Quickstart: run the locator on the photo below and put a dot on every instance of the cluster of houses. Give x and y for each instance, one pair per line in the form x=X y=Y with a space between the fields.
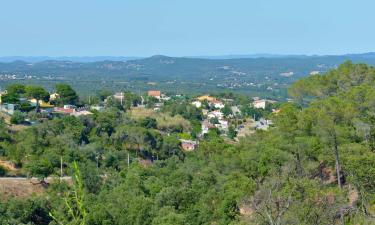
x=212 y=114
x=214 y=118
x=45 y=107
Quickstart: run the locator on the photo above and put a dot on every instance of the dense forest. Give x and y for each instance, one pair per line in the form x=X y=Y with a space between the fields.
x=316 y=165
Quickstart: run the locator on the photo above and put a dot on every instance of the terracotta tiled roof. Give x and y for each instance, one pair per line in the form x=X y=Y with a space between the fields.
x=154 y=93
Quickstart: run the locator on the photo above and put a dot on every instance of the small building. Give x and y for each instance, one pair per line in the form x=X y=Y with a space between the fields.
x=206 y=97
x=119 y=96
x=259 y=104
x=223 y=125
x=42 y=103
x=217 y=104
x=8 y=108
x=188 y=145
x=197 y=104
x=154 y=93
x=54 y=96
x=70 y=107
x=206 y=126
x=216 y=114
x=64 y=110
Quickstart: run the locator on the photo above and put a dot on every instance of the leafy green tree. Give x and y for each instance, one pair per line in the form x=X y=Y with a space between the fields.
x=232 y=133
x=148 y=122
x=16 y=89
x=67 y=94
x=41 y=168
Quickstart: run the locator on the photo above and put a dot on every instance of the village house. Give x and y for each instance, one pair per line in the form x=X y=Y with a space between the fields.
x=119 y=96
x=45 y=107
x=197 y=104
x=217 y=104
x=54 y=96
x=218 y=114
x=205 y=97
x=72 y=110
x=154 y=93
x=206 y=126
x=8 y=108
x=223 y=125
x=188 y=145
x=42 y=103
x=259 y=104
x=66 y=109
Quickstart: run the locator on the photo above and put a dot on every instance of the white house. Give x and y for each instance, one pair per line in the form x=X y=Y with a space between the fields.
x=223 y=125
x=259 y=104
x=236 y=110
x=217 y=104
x=197 y=104
x=216 y=114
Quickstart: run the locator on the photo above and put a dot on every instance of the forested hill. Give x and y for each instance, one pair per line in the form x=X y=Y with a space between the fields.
x=169 y=68
x=266 y=77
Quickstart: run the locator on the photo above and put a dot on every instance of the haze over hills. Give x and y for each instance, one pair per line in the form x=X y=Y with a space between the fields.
x=246 y=74
x=34 y=59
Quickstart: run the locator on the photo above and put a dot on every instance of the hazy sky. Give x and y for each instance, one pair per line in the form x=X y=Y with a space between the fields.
x=185 y=27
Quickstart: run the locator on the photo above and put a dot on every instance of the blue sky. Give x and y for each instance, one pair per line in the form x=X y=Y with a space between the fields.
x=185 y=27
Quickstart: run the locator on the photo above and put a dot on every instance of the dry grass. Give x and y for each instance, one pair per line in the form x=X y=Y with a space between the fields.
x=22 y=187
x=164 y=121
x=7 y=165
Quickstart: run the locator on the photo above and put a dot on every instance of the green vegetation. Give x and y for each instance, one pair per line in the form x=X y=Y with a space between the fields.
x=314 y=166
x=67 y=96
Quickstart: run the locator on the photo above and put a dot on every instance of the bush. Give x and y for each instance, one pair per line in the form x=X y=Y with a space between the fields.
x=17 y=117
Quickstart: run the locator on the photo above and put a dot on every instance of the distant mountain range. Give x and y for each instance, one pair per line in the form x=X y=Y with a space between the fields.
x=34 y=59
x=245 y=73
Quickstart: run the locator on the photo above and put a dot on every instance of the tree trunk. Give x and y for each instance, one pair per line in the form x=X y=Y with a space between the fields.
x=37 y=106
x=128 y=160
x=337 y=159
x=61 y=167
x=299 y=165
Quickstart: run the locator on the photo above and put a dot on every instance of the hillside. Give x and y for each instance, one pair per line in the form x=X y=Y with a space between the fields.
x=315 y=165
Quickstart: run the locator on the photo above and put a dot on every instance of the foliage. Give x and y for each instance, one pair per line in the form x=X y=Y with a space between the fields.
x=66 y=94
x=17 y=117
x=314 y=166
